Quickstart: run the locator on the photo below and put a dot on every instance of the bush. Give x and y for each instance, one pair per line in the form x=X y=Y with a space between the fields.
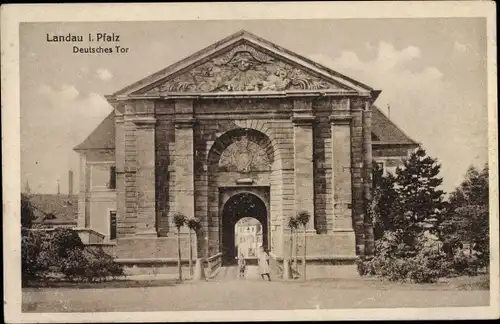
x=74 y=265
x=62 y=252
x=395 y=261
x=33 y=263
x=428 y=268
x=64 y=240
x=465 y=264
x=90 y=264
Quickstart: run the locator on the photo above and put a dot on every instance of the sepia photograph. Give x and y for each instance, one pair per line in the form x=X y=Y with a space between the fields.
x=289 y=163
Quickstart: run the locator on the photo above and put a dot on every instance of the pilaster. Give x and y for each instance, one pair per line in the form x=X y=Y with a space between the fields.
x=145 y=176
x=184 y=159
x=341 y=171
x=367 y=177
x=303 y=120
x=82 y=221
x=342 y=181
x=122 y=227
x=357 y=167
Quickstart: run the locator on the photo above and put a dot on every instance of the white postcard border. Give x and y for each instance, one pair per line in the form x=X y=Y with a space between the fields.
x=12 y=15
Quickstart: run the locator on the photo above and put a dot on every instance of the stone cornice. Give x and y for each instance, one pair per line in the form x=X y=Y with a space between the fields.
x=184 y=122
x=144 y=122
x=303 y=120
x=340 y=119
x=244 y=95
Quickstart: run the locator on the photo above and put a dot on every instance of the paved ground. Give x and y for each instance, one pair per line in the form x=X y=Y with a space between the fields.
x=252 y=293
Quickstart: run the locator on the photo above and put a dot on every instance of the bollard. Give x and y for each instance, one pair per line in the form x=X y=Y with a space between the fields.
x=199 y=270
x=287 y=269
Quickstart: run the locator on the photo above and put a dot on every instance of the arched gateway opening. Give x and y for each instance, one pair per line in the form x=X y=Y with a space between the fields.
x=239 y=206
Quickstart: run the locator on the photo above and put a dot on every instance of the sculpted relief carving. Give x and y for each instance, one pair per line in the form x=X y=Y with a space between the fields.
x=244 y=156
x=243 y=69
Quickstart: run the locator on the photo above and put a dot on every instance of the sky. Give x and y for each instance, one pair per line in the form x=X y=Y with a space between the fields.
x=432 y=73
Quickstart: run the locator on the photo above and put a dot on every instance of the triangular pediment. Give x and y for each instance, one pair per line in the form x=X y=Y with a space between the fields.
x=244 y=68
x=243 y=63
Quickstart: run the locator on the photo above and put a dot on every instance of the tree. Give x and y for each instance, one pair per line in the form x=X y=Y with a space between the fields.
x=467 y=216
x=303 y=218
x=474 y=190
x=293 y=224
x=193 y=225
x=409 y=209
x=419 y=203
x=179 y=221
x=27 y=211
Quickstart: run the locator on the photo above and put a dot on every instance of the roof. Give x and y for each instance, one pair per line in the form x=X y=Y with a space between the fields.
x=103 y=137
x=386 y=132
x=262 y=50
x=54 y=208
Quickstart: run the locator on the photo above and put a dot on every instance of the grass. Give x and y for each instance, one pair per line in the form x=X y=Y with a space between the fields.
x=480 y=282
x=123 y=283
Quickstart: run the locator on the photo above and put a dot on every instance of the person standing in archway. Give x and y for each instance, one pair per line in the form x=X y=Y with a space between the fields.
x=264 y=263
x=242 y=264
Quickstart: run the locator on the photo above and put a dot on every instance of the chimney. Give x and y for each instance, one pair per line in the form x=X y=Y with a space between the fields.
x=70 y=182
x=58 y=189
x=389 y=111
x=27 y=188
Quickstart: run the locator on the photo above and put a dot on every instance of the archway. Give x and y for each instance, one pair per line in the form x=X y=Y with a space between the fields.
x=240 y=206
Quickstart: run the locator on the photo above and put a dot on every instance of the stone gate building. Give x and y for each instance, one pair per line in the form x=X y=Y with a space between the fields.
x=241 y=128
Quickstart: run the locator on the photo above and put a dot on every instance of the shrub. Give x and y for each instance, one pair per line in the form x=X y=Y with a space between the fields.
x=396 y=261
x=428 y=268
x=33 y=264
x=74 y=265
x=361 y=265
x=90 y=264
x=102 y=265
x=465 y=264
x=62 y=252
x=64 y=240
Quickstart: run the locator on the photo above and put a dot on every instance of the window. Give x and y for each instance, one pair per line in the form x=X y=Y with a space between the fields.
x=378 y=171
x=112 y=178
x=112 y=225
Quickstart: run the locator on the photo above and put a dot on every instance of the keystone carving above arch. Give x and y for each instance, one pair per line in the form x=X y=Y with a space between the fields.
x=244 y=156
x=242 y=150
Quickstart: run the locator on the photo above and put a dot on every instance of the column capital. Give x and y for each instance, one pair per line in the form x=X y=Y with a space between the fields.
x=144 y=122
x=184 y=122
x=303 y=120
x=340 y=119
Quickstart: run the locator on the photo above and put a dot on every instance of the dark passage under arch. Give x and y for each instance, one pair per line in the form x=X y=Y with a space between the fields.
x=237 y=207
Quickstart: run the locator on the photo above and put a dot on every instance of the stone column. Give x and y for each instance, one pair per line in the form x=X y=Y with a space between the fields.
x=82 y=193
x=341 y=172
x=367 y=177
x=120 y=176
x=303 y=120
x=145 y=176
x=184 y=160
x=345 y=239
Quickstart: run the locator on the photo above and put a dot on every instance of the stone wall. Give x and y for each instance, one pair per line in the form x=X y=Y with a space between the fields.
x=187 y=178
x=150 y=248
x=100 y=204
